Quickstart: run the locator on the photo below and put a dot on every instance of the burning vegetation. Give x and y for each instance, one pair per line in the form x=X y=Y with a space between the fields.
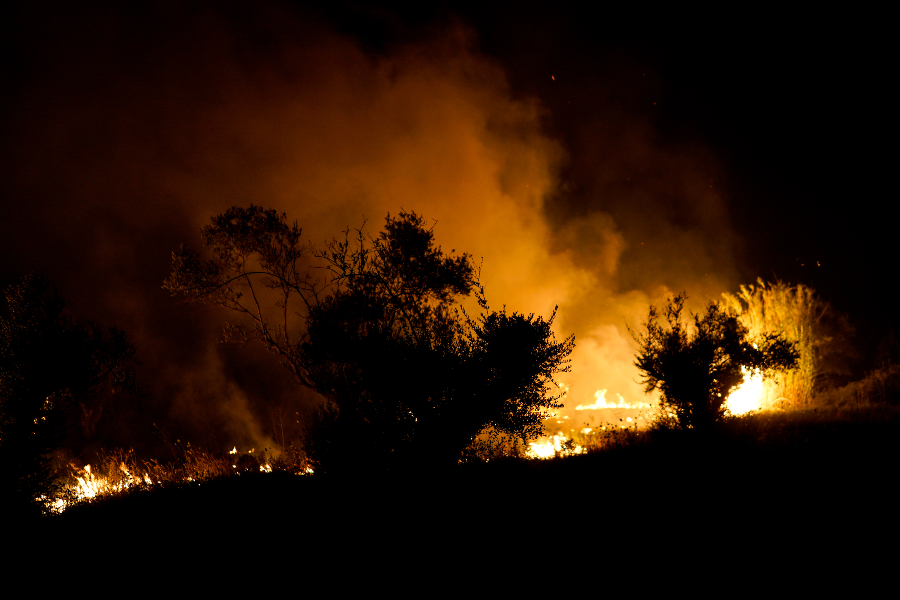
x=696 y=368
x=765 y=329
x=120 y=473
x=802 y=319
x=346 y=319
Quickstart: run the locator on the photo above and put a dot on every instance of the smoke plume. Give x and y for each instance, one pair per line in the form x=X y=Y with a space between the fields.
x=126 y=133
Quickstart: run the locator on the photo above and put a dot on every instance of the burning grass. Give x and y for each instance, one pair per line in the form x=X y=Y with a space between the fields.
x=849 y=435
x=776 y=461
x=119 y=473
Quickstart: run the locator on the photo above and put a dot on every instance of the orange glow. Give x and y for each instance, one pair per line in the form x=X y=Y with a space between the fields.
x=84 y=485
x=554 y=445
x=748 y=396
x=88 y=485
x=600 y=401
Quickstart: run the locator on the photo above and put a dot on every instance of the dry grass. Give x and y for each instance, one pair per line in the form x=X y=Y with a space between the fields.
x=796 y=313
x=845 y=431
x=493 y=445
x=119 y=472
x=879 y=388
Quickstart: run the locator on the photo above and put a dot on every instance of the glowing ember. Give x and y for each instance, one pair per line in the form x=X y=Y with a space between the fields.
x=748 y=396
x=601 y=402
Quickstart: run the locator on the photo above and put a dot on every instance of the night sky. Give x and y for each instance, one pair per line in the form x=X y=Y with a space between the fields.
x=601 y=161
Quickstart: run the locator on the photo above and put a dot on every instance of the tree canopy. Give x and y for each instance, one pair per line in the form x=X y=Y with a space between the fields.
x=371 y=324
x=696 y=369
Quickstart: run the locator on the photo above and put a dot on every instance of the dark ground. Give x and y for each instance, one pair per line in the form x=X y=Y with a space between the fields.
x=797 y=470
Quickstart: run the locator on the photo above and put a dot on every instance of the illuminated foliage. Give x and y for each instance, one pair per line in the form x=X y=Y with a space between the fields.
x=802 y=318
x=407 y=379
x=695 y=369
x=53 y=369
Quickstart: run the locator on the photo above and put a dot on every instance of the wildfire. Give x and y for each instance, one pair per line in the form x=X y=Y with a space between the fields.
x=600 y=401
x=88 y=485
x=120 y=472
x=555 y=445
x=748 y=396
x=561 y=444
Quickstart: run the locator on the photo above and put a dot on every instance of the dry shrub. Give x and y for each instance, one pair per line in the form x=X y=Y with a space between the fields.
x=606 y=437
x=290 y=460
x=493 y=444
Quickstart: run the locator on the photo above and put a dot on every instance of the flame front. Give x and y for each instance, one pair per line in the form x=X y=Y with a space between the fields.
x=88 y=485
x=601 y=402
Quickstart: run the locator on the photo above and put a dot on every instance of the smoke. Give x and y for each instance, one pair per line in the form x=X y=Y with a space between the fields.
x=125 y=137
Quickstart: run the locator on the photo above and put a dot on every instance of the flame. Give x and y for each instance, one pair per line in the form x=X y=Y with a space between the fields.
x=560 y=444
x=601 y=402
x=748 y=396
x=89 y=485
x=555 y=445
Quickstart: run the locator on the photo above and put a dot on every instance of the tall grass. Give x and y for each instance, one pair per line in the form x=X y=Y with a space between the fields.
x=797 y=313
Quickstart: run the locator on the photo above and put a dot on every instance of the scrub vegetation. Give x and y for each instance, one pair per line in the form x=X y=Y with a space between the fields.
x=475 y=388
x=372 y=324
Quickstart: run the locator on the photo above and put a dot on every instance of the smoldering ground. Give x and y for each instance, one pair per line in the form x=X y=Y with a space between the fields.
x=125 y=130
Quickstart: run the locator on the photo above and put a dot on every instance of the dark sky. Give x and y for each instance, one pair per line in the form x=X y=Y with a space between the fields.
x=793 y=107
x=596 y=160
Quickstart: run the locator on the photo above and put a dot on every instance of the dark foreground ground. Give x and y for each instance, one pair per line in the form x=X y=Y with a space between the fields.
x=767 y=496
x=767 y=469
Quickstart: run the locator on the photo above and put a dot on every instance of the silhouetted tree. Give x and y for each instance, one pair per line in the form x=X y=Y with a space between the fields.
x=406 y=377
x=53 y=370
x=695 y=370
x=260 y=269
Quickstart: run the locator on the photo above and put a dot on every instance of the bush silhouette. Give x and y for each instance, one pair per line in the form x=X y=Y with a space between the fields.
x=695 y=369
x=409 y=380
